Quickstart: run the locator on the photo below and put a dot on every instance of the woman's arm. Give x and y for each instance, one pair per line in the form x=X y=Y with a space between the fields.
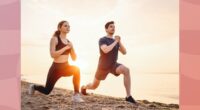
x=53 y=52
x=72 y=52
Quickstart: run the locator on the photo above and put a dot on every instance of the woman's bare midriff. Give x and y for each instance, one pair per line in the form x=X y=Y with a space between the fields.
x=61 y=59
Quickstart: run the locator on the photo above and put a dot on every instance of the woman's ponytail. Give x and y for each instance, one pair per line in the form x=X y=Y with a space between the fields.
x=57 y=33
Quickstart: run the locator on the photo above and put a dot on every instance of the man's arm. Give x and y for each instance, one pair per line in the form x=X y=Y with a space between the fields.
x=122 y=49
x=107 y=48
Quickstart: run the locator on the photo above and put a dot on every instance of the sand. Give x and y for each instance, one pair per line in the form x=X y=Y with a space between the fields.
x=60 y=99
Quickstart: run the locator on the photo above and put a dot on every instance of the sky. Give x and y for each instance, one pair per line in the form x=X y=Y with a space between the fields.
x=149 y=29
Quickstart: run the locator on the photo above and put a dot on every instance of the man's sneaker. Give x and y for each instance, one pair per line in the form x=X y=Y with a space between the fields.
x=31 y=89
x=77 y=98
x=131 y=100
x=83 y=91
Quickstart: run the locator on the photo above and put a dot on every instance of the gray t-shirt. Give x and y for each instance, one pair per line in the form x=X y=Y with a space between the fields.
x=107 y=60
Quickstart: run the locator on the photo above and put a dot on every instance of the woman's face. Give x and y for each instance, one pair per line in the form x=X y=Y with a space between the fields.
x=65 y=28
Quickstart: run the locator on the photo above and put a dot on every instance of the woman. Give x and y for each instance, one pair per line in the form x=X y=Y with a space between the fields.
x=60 y=49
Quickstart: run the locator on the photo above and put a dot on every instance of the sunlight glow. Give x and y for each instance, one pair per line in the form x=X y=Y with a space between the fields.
x=83 y=65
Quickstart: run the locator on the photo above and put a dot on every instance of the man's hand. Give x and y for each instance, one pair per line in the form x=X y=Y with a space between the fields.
x=117 y=38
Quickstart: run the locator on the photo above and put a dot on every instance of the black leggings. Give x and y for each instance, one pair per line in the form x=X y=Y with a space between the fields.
x=56 y=71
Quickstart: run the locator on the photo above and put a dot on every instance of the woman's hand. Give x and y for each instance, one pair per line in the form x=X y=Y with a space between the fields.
x=67 y=47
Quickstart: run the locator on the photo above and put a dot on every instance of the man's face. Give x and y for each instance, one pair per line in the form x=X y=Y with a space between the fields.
x=111 y=29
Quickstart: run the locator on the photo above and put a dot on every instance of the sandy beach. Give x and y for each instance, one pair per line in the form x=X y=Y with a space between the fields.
x=60 y=99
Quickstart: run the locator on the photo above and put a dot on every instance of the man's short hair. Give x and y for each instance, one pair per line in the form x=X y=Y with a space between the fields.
x=108 y=23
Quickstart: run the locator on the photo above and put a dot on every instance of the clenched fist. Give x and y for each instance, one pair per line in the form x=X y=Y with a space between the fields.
x=117 y=38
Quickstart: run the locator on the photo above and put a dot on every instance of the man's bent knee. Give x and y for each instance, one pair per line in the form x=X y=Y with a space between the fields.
x=126 y=71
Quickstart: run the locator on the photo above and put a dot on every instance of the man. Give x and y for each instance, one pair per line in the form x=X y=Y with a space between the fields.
x=109 y=48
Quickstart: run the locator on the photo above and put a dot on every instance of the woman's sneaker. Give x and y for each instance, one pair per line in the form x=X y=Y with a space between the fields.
x=31 y=89
x=77 y=98
x=131 y=100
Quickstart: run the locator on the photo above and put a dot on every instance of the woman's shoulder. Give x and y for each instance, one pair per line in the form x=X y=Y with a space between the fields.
x=54 y=39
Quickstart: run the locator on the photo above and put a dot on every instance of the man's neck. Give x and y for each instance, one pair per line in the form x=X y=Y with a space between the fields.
x=110 y=35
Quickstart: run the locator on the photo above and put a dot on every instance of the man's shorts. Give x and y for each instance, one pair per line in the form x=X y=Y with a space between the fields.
x=101 y=74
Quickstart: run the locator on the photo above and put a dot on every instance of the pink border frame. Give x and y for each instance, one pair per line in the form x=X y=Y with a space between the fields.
x=10 y=55
x=189 y=55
